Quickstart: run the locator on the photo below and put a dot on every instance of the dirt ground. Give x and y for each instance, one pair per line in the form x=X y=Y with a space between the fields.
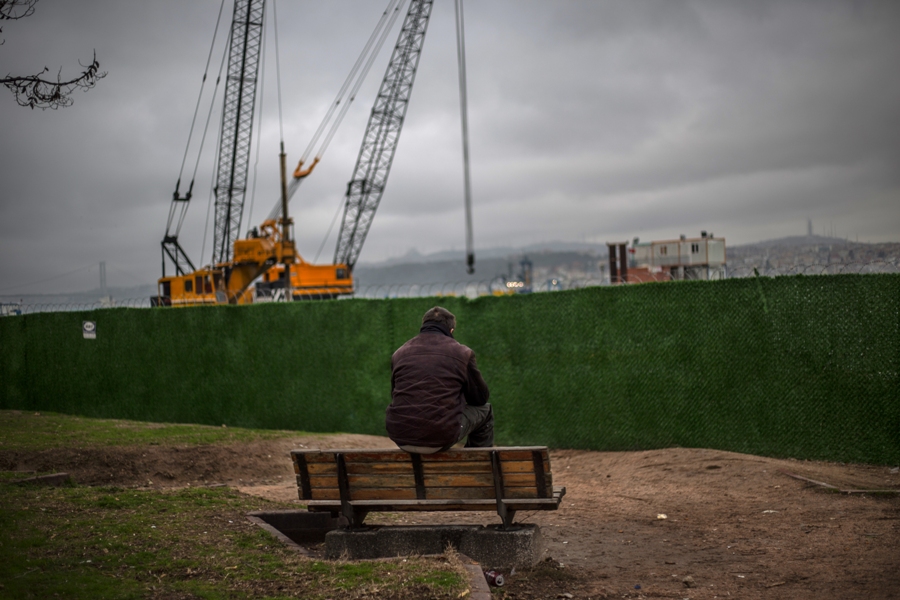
x=674 y=523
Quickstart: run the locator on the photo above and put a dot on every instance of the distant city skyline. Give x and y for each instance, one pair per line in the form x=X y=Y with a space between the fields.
x=799 y=251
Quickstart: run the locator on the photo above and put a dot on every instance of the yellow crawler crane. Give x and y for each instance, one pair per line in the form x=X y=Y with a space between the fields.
x=235 y=263
x=369 y=179
x=229 y=283
x=307 y=281
x=267 y=255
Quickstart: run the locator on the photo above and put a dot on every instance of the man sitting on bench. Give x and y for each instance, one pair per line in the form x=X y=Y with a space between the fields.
x=438 y=396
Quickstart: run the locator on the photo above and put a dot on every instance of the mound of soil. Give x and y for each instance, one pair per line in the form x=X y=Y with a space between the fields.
x=673 y=523
x=252 y=463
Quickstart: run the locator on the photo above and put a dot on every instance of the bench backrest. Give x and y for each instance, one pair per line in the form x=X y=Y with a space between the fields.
x=392 y=474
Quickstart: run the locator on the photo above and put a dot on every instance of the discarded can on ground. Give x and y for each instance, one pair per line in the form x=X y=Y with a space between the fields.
x=494 y=578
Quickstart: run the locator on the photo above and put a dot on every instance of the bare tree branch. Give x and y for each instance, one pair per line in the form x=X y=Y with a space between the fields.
x=9 y=11
x=33 y=91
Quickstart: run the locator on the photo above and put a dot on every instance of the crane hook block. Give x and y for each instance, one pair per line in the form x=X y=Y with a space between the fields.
x=300 y=172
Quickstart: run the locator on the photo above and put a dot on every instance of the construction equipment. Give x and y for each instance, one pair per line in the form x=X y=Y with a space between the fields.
x=235 y=263
x=373 y=165
x=228 y=282
x=269 y=251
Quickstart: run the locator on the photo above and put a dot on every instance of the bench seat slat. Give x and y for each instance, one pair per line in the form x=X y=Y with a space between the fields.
x=382 y=481
x=443 y=504
x=359 y=456
x=432 y=505
x=433 y=493
x=323 y=482
x=380 y=468
x=430 y=468
x=397 y=455
x=454 y=480
x=509 y=466
x=324 y=494
x=512 y=481
x=395 y=450
x=506 y=454
x=322 y=468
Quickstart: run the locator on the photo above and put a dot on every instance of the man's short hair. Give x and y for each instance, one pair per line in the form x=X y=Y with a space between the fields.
x=440 y=315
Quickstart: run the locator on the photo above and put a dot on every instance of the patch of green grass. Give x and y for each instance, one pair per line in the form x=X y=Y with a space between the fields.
x=129 y=543
x=438 y=579
x=416 y=577
x=80 y=542
x=39 y=431
x=353 y=575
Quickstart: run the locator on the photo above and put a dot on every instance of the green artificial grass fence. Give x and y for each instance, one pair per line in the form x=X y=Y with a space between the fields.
x=803 y=367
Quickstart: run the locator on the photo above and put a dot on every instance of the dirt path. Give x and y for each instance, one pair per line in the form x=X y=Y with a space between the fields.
x=679 y=523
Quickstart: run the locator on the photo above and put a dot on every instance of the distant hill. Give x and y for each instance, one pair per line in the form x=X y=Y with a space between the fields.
x=86 y=297
x=487 y=268
x=503 y=252
x=579 y=261
x=565 y=260
x=800 y=240
x=809 y=250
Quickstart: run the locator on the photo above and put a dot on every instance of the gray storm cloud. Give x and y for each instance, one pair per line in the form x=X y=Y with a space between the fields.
x=588 y=120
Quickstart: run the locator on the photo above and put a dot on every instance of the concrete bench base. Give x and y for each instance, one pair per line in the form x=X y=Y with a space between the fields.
x=492 y=547
x=295 y=526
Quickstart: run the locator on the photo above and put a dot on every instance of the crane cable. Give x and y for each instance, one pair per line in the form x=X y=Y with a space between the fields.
x=278 y=73
x=464 y=118
x=392 y=5
x=351 y=85
x=212 y=183
x=365 y=71
x=259 y=115
x=344 y=110
x=191 y=134
x=209 y=203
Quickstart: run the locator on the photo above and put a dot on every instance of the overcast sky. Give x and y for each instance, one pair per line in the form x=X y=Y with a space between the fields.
x=594 y=121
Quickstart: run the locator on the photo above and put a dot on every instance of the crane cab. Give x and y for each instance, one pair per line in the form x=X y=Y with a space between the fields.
x=193 y=289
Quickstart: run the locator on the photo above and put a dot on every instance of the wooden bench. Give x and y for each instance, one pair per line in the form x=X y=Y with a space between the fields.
x=354 y=483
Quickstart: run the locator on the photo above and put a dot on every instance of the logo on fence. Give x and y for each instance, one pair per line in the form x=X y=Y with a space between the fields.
x=89 y=330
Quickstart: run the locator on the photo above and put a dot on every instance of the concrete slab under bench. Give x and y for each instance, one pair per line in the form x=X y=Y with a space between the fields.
x=492 y=546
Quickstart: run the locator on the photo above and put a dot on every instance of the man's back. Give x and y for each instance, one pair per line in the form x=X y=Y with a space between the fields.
x=429 y=380
x=438 y=396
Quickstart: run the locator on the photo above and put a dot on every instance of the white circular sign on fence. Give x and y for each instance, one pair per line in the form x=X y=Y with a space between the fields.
x=89 y=330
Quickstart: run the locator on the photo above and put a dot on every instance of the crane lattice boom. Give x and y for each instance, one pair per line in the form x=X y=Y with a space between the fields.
x=237 y=125
x=376 y=154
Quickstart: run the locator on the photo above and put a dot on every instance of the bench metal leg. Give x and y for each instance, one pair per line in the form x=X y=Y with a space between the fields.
x=354 y=516
x=506 y=515
x=356 y=522
x=510 y=517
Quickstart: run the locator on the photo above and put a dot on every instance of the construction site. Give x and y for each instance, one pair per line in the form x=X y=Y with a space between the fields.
x=677 y=415
x=264 y=266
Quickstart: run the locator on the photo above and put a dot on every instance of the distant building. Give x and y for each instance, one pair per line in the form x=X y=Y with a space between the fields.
x=684 y=258
x=8 y=309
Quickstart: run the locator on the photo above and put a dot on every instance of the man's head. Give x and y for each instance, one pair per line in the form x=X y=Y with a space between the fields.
x=440 y=315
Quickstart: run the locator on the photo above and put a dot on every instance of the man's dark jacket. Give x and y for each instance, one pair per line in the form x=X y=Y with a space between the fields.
x=433 y=377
